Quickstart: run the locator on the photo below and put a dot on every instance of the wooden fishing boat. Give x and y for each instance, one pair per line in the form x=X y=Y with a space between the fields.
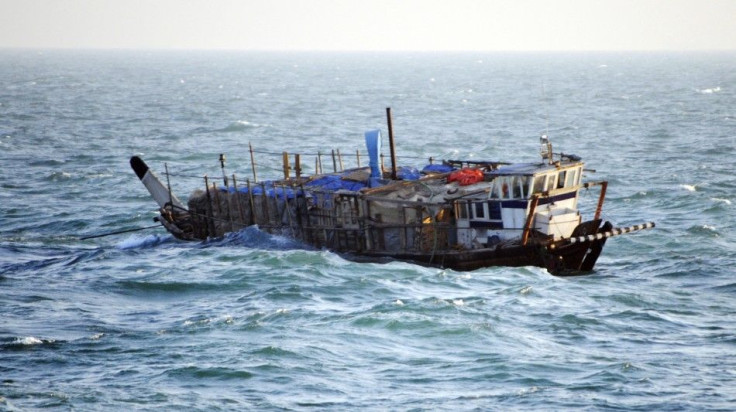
x=462 y=215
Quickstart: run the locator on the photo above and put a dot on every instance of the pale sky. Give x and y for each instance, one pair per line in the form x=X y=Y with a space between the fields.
x=495 y=25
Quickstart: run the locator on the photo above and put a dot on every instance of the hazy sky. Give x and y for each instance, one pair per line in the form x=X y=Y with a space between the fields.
x=371 y=24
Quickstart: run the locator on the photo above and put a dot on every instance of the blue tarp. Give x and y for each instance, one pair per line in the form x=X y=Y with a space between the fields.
x=334 y=183
x=408 y=173
x=437 y=168
x=271 y=191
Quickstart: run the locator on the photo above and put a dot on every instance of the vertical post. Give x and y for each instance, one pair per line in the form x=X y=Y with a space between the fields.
x=298 y=165
x=241 y=221
x=210 y=213
x=253 y=220
x=222 y=166
x=318 y=163
x=357 y=156
x=334 y=162
x=264 y=196
x=601 y=198
x=339 y=159
x=391 y=143
x=285 y=157
x=252 y=163
x=529 y=219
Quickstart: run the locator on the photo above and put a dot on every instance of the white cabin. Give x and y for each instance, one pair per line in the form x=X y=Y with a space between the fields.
x=500 y=212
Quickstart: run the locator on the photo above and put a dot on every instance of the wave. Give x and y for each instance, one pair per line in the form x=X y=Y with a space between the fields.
x=137 y=242
x=238 y=126
x=26 y=342
x=253 y=237
x=719 y=200
x=709 y=90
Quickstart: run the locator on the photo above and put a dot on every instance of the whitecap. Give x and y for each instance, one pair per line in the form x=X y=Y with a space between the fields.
x=29 y=341
x=399 y=302
x=689 y=188
x=719 y=200
x=710 y=90
x=458 y=302
x=238 y=126
x=134 y=242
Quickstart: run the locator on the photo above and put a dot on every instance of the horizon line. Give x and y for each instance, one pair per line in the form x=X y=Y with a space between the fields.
x=289 y=50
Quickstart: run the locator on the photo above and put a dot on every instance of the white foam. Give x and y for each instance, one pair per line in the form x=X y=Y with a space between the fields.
x=28 y=340
x=710 y=90
x=719 y=200
x=689 y=188
x=134 y=241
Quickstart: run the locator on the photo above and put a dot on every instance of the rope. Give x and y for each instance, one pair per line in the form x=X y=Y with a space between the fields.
x=117 y=232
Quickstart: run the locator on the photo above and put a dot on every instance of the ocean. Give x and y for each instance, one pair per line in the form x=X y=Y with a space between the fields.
x=253 y=321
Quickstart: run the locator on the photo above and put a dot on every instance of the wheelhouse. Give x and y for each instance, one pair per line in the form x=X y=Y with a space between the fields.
x=500 y=213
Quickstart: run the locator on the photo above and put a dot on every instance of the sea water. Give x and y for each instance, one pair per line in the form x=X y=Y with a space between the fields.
x=259 y=322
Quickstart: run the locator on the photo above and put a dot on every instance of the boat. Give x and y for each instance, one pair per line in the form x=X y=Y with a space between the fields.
x=456 y=214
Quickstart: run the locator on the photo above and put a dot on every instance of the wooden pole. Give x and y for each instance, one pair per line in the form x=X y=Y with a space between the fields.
x=252 y=163
x=339 y=159
x=210 y=212
x=529 y=219
x=601 y=198
x=241 y=215
x=357 y=156
x=334 y=163
x=287 y=172
x=222 y=166
x=250 y=201
x=298 y=165
x=391 y=143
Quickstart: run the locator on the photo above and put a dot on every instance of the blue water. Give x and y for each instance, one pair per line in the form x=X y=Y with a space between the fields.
x=253 y=321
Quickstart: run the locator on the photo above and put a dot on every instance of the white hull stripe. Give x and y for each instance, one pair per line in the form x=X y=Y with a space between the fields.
x=611 y=233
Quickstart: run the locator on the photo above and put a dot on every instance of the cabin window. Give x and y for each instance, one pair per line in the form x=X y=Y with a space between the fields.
x=550 y=182
x=561 y=179
x=494 y=210
x=539 y=184
x=524 y=183
x=504 y=186
x=462 y=210
x=516 y=185
x=570 y=178
x=493 y=192
x=480 y=211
